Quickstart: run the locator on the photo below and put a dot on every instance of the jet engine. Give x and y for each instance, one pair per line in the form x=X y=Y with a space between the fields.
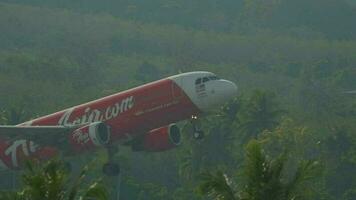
x=88 y=137
x=160 y=139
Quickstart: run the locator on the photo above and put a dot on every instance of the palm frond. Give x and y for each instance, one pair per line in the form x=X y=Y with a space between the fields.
x=95 y=191
x=52 y=181
x=216 y=185
x=306 y=171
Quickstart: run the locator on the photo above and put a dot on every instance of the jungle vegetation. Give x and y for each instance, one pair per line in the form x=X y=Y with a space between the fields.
x=52 y=180
x=290 y=133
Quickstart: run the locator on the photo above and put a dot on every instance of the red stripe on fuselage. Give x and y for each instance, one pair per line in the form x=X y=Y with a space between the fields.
x=131 y=112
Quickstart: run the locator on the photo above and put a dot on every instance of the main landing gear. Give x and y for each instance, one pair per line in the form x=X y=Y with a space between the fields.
x=111 y=168
x=198 y=133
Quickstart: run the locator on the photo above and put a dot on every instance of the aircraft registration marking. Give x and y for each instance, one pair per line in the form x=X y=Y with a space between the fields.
x=159 y=107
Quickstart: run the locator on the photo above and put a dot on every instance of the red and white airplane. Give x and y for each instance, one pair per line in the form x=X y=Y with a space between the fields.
x=142 y=117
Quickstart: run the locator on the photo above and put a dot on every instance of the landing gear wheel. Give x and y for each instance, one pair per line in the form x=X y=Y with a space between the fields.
x=111 y=169
x=68 y=167
x=198 y=135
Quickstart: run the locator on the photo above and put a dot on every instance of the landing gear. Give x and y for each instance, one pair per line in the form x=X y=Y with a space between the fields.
x=198 y=133
x=68 y=166
x=111 y=168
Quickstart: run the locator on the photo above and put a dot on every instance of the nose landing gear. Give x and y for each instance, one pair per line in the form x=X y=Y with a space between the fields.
x=111 y=168
x=198 y=133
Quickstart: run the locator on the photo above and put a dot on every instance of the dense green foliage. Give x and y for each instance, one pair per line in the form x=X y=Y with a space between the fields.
x=292 y=60
x=262 y=179
x=52 y=182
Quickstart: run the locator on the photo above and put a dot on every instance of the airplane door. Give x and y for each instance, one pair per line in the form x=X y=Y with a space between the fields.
x=177 y=92
x=201 y=88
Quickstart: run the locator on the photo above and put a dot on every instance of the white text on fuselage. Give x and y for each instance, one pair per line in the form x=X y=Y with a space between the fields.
x=26 y=148
x=94 y=115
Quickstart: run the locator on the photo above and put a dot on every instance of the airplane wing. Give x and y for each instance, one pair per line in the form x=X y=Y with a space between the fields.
x=39 y=134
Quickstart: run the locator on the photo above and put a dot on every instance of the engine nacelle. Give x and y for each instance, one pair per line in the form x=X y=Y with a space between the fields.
x=160 y=139
x=96 y=134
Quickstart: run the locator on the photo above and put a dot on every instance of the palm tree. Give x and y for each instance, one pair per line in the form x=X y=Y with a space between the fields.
x=262 y=179
x=217 y=185
x=52 y=182
x=260 y=113
x=13 y=115
x=3 y=118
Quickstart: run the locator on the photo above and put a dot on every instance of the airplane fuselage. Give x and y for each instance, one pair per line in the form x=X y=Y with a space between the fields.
x=129 y=114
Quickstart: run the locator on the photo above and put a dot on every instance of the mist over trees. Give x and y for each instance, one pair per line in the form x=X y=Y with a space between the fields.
x=293 y=61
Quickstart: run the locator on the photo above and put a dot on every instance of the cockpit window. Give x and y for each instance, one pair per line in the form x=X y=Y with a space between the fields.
x=205 y=79
x=198 y=81
x=213 y=78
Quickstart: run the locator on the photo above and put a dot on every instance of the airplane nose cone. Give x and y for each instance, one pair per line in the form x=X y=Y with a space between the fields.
x=230 y=89
x=233 y=89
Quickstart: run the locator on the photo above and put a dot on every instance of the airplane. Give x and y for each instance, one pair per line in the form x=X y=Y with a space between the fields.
x=143 y=118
